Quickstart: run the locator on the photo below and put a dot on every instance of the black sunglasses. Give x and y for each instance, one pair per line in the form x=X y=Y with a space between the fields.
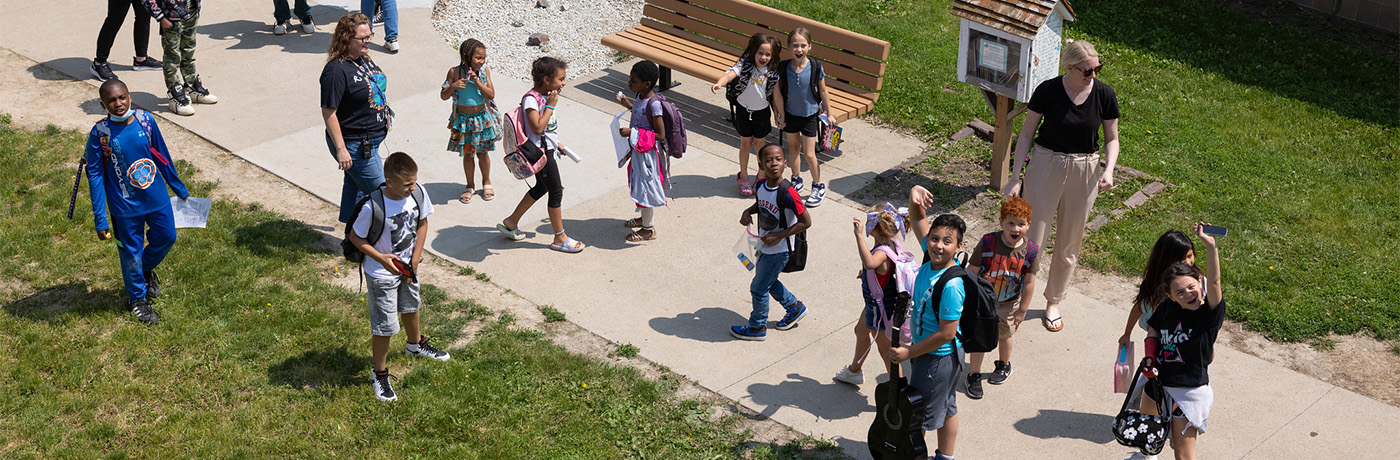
x=1091 y=72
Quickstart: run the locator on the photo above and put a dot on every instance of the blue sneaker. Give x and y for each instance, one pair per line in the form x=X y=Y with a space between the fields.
x=746 y=332
x=796 y=183
x=794 y=314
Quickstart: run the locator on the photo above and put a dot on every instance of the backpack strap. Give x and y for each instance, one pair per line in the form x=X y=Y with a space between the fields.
x=376 y=223
x=936 y=291
x=816 y=67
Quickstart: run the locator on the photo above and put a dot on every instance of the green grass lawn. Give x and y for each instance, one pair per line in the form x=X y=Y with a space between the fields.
x=257 y=355
x=1289 y=138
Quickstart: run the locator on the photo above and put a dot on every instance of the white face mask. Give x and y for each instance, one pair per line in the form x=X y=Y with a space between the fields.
x=123 y=118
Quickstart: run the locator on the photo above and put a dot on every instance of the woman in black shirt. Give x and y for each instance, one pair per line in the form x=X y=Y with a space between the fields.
x=355 y=109
x=1181 y=343
x=1064 y=174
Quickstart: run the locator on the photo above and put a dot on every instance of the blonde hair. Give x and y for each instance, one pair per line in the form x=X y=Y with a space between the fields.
x=886 y=228
x=344 y=33
x=1076 y=52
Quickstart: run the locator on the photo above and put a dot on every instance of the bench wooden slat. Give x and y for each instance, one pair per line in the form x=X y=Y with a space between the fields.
x=825 y=33
x=820 y=50
x=658 y=16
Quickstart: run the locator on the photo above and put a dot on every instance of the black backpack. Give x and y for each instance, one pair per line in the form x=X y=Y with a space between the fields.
x=977 y=329
x=815 y=67
x=376 y=223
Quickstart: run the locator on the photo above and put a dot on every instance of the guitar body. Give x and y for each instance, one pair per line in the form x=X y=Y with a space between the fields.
x=897 y=432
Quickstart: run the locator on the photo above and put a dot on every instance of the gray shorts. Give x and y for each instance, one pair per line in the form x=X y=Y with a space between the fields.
x=936 y=377
x=387 y=298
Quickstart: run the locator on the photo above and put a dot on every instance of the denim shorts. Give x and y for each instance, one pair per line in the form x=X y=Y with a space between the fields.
x=388 y=297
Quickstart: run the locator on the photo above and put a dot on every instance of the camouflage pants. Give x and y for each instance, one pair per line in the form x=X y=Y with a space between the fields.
x=178 y=45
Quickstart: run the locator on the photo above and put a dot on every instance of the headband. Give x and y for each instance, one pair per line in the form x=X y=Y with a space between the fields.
x=901 y=214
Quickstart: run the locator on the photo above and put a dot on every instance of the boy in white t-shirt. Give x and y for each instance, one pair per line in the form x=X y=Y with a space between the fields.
x=391 y=264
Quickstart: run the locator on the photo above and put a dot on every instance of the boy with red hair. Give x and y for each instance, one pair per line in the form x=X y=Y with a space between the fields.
x=1009 y=261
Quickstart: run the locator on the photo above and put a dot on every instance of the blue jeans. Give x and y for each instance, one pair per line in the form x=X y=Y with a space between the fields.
x=765 y=283
x=364 y=176
x=142 y=243
x=281 y=13
x=391 y=16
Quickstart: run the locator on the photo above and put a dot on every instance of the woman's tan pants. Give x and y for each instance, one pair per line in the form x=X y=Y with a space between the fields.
x=1060 y=187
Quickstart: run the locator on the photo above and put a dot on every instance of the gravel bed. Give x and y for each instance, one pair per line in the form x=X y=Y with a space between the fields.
x=575 y=34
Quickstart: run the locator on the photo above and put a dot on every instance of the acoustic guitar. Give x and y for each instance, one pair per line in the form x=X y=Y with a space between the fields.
x=897 y=433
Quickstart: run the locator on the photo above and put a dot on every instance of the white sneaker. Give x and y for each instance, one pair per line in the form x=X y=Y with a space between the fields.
x=392 y=44
x=1140 y=456
x=818 y=193
x=280 y=28
x=199 y=94
x=424 y=350
x=308 y=26
x=180 y=102
x=383 y=390
x=853 y=378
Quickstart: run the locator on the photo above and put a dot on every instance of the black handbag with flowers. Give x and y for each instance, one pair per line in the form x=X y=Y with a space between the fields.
x=1133 y=428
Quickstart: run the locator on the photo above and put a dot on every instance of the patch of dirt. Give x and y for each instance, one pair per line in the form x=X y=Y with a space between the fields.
x=36 y=95
x=960 y=180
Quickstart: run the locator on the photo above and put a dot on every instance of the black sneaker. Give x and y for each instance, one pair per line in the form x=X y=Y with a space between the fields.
x=152 y=285
x=793 y=315
x=146 y=64
x=1000 y=375
x=102 y=71
x=427 y=351
x=383 y=390
x=974 y=386
x=142 y=309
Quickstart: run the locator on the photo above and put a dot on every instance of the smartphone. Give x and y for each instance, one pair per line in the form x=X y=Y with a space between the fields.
x=1214 y=230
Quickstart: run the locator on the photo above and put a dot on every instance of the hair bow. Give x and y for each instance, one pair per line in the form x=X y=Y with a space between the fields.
x=901 y=215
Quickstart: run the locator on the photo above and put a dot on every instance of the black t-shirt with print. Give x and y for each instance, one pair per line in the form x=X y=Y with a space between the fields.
x=1070 y=128
x=1188 y=342
x=356 y=90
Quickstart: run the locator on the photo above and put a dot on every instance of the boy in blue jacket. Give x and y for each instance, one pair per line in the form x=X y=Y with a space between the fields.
x=128 y=168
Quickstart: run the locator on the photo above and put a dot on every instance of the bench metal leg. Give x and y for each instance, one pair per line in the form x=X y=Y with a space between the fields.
x=666 y=82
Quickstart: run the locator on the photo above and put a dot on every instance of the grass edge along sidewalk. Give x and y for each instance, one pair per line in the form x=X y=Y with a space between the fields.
x=259 y=353
x=1286 y=136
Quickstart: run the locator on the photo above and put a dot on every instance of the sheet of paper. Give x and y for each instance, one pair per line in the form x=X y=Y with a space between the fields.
x=620 y=143
x=191 y=213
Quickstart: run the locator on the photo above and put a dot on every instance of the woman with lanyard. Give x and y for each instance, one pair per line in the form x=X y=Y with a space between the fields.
x=1064 y=177
x=355 y=109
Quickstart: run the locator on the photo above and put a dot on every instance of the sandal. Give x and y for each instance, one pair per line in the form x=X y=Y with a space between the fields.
x=635 y=222
x=1049 y=324
x=488 y=193
x=745 y=187
x=570 y=245
x=512 y=233
x=467 y=196
x=643 y=234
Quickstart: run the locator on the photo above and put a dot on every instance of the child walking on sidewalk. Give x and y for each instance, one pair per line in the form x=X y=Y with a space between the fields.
x=803 y=98
x=1009 y=261
x=647 y=171
x=756 y=74
x=178 y=20
x=780 y=217
x=475 y=125
x=550 y=75
x=391 y=264
x=878 y=284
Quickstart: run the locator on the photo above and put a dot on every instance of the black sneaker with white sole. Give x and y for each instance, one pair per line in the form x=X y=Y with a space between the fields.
x=425 y=350
x=974 y=386
x=383 y=390
x=143 y=311
x=152 y=285
x=102 y=71
x=148 y=63
x=1002 y=372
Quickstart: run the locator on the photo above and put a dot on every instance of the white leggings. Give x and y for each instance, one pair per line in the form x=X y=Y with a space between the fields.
x=648 y=217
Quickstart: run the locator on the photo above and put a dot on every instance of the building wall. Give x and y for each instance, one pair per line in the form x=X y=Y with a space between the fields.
x=1382 y=14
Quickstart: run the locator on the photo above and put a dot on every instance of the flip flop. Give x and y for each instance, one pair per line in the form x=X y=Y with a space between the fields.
x=1049 y=324
x=745 y=187
x=513 y=234
x=467 y=196
x=570 y=245
x=488 y=193
x=635 y=222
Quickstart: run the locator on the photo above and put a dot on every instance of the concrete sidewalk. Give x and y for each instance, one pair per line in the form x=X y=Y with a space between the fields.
x=675 y=297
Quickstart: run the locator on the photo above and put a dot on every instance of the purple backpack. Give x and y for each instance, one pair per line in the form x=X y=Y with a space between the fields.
x=675 y=126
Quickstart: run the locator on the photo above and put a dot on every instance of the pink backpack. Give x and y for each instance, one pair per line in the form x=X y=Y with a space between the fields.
x=522 y=157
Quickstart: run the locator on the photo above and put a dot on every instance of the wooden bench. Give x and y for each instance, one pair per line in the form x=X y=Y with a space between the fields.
x=703 y=38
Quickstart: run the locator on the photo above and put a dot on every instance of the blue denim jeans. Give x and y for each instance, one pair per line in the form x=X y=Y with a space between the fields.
x=765 y=283
x=363 y=177
x=281 y=13
x=391 y=15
